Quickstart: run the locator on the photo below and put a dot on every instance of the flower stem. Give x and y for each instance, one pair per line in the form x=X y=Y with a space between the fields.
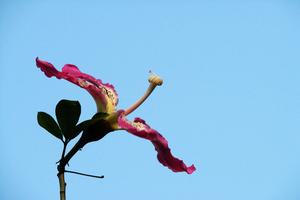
x=62 y=164
x=65 y=159
x=61 y=175
x=62 y=185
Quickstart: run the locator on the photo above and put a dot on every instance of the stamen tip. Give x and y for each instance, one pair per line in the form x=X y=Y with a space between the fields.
x=155 y=79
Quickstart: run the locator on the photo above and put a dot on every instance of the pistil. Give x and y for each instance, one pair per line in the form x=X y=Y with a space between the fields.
x=154 y=81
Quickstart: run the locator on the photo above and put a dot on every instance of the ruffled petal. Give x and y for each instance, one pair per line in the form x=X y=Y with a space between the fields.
x=104 y=94
x=139 y=128
x=47 y=68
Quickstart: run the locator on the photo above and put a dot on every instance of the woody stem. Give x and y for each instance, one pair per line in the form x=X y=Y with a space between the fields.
x=62 y=185
x=62 y=164
x=61 y=176
x=141 y=100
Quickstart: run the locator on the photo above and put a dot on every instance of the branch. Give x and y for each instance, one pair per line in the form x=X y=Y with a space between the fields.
x=79 y=173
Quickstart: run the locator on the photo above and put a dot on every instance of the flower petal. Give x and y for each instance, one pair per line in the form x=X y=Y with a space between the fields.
x=139 y=128
x=47 y=68
x=104 y=94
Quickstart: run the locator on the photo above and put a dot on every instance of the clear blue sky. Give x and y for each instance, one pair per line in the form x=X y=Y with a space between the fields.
x=230 y=103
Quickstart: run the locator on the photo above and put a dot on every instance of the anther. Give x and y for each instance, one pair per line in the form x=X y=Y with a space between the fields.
x=155 y=79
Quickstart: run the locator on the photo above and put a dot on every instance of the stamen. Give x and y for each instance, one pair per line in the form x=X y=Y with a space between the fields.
x=154 y=81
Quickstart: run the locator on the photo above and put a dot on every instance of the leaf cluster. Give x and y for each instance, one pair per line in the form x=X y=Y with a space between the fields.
x=67 y=114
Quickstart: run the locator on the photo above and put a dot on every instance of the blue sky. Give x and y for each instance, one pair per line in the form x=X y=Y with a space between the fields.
x=229 y=103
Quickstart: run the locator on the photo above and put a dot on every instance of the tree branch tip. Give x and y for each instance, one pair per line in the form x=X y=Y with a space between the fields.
x=83 y=174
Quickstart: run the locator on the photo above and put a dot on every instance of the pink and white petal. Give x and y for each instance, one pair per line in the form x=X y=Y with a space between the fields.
x=104 y=94
x=47 y=68
x=139 y=128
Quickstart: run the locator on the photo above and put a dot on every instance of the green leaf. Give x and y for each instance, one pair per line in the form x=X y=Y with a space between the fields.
x=47 y=122
x=67 y=114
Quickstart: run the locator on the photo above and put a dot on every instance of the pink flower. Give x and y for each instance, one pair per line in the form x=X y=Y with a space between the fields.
x=106 y=99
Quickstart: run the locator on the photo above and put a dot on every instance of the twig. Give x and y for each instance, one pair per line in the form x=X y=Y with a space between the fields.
x=79 y=173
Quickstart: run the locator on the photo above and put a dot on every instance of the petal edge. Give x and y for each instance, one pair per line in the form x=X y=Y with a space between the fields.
x=105 y=95
x=139 y=128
